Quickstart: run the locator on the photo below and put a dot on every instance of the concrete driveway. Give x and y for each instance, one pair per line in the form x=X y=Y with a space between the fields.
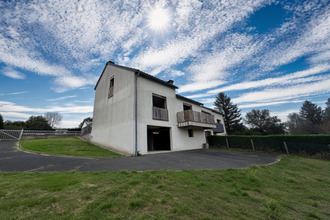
x=12 y=159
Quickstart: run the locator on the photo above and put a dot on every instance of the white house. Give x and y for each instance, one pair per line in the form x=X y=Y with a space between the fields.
x=136 y=113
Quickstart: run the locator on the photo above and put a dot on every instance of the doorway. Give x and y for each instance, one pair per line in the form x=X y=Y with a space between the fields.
x=158 y=138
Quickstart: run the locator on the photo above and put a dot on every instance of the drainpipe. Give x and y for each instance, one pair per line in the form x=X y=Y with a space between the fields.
x=136 y=114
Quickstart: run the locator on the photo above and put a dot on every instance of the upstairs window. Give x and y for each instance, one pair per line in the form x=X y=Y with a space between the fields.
x=112 y=81
x=158 y=101
x=159 y=109
x=186 y=107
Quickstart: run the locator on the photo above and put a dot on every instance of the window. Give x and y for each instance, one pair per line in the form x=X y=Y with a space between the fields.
x=112 y=81
x=190 y=133
x=158 y=101
x=186 y=107
x=159 y=109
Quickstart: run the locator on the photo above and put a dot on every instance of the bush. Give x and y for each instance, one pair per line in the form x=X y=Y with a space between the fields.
x=297 y=144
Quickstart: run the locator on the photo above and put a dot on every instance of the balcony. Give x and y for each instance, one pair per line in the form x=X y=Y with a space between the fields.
x=159 y=114
x=191 y=118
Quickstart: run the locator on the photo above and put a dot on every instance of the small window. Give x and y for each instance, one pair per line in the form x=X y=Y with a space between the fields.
x=186 y=107
x=190 y=132
x=158 y=101
x=112 y=81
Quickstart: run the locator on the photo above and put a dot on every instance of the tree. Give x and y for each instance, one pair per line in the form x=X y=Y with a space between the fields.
x=53 y=118
x=312 y=116
x=295 y=124
x=262 y=122
x=1 y=122
x=14 y=125
x=37 y=122
x=325 y=125
x=85 y=120
x=231 y=114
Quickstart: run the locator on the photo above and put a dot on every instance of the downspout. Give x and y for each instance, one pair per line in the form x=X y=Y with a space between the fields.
x=136 y=115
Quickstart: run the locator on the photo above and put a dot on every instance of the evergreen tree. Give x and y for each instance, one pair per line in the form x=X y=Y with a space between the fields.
x=262 y=122
x=231 y=114
x=312 y=116
x=325 y=125
x=295 y=124
x=1 y=122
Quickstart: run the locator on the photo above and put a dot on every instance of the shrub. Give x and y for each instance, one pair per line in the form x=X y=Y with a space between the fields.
x=297 y=144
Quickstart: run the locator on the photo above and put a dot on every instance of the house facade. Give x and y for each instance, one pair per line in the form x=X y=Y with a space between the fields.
x=136 y=113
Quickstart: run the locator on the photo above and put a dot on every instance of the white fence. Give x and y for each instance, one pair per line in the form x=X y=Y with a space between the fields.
x=50 y=132
x=11 y=134
x=17 y=134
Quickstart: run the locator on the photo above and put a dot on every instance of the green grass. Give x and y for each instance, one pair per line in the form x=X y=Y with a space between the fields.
x=294 y=188
x=67 y=146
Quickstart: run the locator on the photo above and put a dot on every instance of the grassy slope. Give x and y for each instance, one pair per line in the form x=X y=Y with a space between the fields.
x=295 y=188
x=67 y=146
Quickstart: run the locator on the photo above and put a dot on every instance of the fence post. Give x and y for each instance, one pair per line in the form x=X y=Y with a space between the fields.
x=286 y=147
x=20 y=135
x=227 y=143
x=253 y=145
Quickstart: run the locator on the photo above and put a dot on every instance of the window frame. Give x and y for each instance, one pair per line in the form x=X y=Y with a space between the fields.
x=111 y=87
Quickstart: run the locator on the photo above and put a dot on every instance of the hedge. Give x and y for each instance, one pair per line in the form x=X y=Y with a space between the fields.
x=310 y=144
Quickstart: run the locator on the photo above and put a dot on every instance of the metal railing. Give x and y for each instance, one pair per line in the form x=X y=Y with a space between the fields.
x=11 y=134
x=50 y=132
x=159 y=114
x=190 y=115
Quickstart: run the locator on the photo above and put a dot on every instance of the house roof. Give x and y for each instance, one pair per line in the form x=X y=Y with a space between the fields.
x=140 y=73
x=188 y=100
x=197 y=103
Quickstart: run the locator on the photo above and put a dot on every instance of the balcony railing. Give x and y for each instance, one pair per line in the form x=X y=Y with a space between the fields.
x=159 y=114
x=193 y=118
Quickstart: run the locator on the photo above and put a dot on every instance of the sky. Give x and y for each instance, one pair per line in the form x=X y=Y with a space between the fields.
x=263 y=54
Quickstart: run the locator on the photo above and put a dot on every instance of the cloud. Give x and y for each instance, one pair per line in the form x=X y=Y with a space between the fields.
x=292 y=78
x=283 y=115
x=69 y=123
x=16 y=115
x=197 y=86
x=203 y=24
x=256 y=105
x=14 y=93
x=285 y=93
x=12 y=73
x=66 y=83
x=62 y=98
x=12 y=107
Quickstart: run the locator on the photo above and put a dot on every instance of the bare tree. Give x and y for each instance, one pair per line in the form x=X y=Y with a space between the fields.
x=53 y=118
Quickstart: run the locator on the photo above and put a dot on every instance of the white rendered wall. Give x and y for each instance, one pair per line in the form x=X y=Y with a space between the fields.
x=179 y=138
x=113 y=119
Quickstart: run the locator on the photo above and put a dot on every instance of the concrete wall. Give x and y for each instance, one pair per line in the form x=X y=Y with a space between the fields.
x=179 y=136
x=113 y=118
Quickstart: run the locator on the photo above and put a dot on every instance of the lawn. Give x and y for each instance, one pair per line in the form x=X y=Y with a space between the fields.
x=294 y=188
x=67 y=146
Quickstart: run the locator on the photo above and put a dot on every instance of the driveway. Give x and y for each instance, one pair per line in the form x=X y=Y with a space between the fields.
x=12 y=159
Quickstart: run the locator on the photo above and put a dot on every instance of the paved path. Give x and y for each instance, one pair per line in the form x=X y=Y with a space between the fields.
x=12 y=159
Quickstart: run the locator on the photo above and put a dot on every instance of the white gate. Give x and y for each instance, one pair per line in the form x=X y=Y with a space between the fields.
x=11 y=135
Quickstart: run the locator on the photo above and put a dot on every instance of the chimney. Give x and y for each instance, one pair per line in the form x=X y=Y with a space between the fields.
x=170 y=82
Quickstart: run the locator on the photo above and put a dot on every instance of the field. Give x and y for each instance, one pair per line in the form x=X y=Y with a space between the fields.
x=67 y=146
x=294 y=188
